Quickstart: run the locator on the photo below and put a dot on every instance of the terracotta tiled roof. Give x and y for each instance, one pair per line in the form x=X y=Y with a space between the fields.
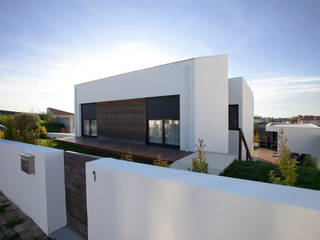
x=310 y=117
x=59 y=112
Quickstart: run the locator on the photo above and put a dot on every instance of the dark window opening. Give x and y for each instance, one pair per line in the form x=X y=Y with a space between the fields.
x=89 y=119
x=163 y=120
x=234 y=117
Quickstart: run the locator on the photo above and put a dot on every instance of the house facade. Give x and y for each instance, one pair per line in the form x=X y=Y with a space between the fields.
x=171 y=105
x=66 y=118
x=309 y=119
x=301 y=138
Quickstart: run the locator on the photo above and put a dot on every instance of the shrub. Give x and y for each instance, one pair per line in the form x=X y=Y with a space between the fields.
x=309 y=161
x=161 y=162
x=199 y=164
x=51 y=126
x=286 y=165
x=259 y=171
x=250 y=170
x=1 y=134
x=127 y=156
x=22 y=127
x=41 y=132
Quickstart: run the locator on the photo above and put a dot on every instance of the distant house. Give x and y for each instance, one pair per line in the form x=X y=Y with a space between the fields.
x=66 y=118
x=301 y=138
x=309 y=119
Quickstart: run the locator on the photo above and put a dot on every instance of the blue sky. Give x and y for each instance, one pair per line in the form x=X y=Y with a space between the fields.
x=48 y=46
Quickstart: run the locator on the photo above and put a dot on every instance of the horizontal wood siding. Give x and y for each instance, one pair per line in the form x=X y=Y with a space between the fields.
x=125 y=119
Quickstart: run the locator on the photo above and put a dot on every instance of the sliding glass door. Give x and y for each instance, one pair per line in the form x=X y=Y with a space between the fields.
x=90 y=128
x=165 y=132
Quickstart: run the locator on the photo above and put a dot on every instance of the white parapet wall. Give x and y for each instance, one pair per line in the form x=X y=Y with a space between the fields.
x=40 y=195
x=127 y=200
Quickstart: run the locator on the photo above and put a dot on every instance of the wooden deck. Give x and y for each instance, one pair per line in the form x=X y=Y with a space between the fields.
x=140 y=151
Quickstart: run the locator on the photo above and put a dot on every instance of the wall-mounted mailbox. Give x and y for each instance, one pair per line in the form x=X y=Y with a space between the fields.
x=27 y=163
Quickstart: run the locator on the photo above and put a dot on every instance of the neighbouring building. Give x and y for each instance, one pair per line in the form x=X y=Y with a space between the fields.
x=66 y=118
x=171 y=105
x=301 y=138
x=6 y=112
x=309 y=119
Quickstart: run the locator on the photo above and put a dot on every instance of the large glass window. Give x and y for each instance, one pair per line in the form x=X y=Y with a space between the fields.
x=155 y=131
x=164 y=132
x=90 y=128
x=172 y=132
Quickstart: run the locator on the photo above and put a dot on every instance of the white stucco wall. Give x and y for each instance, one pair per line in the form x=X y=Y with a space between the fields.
x=41 y=195
x=241 y=94
x=138 y=201
x=199 y=82
x=300 y=138
x=211 y=102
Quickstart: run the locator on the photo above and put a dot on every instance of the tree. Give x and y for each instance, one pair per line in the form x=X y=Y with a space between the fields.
x=286 y=165
x=199 y=164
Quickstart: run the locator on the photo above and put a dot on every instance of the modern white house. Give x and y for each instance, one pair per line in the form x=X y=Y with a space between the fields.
x=171 y=105
x=301 y=138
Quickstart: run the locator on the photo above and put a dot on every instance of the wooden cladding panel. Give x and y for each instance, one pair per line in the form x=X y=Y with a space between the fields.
x=125 y=119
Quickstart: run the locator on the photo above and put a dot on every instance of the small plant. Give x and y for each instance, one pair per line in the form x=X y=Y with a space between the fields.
x=161 y=162
x=309 y=161
x=127 y=156
x=199 y=164
x=286 y=165
x=41 y=132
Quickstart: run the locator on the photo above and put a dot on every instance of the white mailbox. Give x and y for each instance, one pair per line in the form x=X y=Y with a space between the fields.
x=27 y=163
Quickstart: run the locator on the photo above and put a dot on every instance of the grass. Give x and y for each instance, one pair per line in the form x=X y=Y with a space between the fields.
x=259 y=171
x=74 y=148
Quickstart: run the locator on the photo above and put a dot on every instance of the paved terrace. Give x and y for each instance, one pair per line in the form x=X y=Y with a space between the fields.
x=140 y=151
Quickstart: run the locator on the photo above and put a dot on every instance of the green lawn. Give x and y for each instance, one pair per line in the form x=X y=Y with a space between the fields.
x=259 y=171
x=74 y=148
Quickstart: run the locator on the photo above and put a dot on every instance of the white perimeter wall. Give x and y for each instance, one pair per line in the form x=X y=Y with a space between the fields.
x=201 y=83
x=241 y=94
x=41 y=195
x=300 y=139
x=143 y=202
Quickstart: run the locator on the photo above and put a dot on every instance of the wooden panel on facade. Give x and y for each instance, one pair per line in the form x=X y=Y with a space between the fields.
x=125 y=119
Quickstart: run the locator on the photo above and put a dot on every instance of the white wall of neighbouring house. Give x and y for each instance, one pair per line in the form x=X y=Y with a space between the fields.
x=241 y=94
x=40 y=195
x=199 y=82
x=142 y=202
x=301 y=138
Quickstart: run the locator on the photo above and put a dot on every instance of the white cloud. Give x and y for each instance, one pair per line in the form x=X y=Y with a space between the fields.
x=48 y=79
x=284 y=95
